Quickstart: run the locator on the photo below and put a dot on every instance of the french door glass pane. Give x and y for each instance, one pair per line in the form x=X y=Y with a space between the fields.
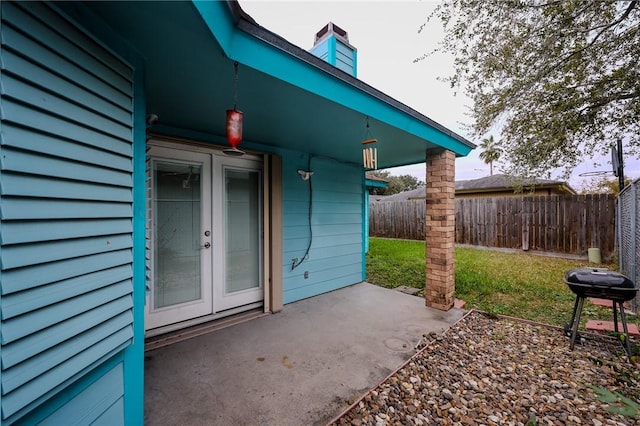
x=242 y=190
x=177 y=233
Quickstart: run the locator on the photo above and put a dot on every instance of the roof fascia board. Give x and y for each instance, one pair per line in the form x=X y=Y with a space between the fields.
x=376 y=183
x=284 y=66
x=219 y=16
x=244 y=47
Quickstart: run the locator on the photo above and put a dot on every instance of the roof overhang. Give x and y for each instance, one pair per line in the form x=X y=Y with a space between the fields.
x=374 y=183
x=290 y=99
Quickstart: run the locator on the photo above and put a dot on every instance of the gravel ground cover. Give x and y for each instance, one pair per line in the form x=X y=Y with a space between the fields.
x=501 y=371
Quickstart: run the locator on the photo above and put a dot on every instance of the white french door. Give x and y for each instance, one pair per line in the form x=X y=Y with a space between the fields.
x=181 y=236
x=206 y=235
x=240 y=233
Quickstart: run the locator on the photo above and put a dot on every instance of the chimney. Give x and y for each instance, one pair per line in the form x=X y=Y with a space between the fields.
x=332 y=45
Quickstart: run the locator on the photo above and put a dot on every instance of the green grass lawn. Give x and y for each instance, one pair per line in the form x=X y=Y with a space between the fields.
x=515 y=284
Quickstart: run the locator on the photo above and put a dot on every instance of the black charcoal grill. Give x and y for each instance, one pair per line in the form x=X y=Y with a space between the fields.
x=602 y=284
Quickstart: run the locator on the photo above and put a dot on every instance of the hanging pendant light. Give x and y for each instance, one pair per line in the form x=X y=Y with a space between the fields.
x=234 y=121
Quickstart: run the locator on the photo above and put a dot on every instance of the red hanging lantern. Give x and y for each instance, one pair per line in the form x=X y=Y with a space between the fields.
x=234 y=127
x=234 y=121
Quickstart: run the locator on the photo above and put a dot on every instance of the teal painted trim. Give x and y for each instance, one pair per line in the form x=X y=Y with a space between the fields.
x=375 y=184
x=250 y=51
x=355 y=63
x=331 y=50
x=134 y=354
x=2 y=138
x=217 y=15
x=365 y=225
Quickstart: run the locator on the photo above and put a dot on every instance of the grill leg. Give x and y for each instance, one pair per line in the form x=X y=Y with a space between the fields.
x=615 y=316
x=627 y=343
x=573 y=314
x=575 y=320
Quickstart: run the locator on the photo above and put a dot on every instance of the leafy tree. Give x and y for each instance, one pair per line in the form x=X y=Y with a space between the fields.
x=603 y=185
x=560 y=79
x=396 y=184
x=490 y=152
x=402 y=183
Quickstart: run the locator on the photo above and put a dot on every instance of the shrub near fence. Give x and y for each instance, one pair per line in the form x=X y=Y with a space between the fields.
x=568 y=224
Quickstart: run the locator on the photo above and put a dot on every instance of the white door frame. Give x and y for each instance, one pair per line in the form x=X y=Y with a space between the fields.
x=215 y=261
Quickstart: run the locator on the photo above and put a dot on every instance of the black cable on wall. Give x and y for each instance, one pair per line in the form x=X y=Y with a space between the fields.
x=298 y=262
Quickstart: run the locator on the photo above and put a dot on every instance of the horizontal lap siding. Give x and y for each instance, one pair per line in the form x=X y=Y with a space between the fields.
x=344 y=57
x=66 y=209
x=102 y=401
x=321 y=51
x=335 y=257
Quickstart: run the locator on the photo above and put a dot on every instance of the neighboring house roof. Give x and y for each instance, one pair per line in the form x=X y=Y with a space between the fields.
x=374 y=181
x=414 y=194
x=506 y=183
x=371 y=176
x=495 y=183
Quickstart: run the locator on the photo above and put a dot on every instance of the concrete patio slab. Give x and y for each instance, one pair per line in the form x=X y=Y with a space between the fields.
x=301 y=366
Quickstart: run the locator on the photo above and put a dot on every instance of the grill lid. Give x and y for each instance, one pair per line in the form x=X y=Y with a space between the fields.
x=598 y=277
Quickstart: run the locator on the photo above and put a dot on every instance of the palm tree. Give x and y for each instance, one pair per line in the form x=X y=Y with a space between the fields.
x=490 y=152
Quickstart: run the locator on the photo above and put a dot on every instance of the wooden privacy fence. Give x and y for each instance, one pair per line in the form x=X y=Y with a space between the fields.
x=568 y=224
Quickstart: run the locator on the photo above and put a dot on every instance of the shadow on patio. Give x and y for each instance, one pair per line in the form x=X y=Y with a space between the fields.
x=303 y=365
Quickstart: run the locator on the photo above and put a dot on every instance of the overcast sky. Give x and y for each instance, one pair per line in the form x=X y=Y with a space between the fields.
x=385 y=33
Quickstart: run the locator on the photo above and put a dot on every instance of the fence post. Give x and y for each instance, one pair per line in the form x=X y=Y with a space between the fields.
x=628 y=234
x=526 y=223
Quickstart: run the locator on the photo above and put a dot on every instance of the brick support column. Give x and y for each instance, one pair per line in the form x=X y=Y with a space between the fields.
x=440 y=285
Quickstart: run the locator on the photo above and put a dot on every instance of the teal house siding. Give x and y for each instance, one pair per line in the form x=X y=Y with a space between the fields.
x=76 y=81
x=322 y=52
x=329 y=225
x=102 y=403
x=345 y=58
x=66 y=253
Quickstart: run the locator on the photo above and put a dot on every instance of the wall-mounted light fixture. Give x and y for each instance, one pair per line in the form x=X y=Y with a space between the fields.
x=304 y=174
x=152 y=119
